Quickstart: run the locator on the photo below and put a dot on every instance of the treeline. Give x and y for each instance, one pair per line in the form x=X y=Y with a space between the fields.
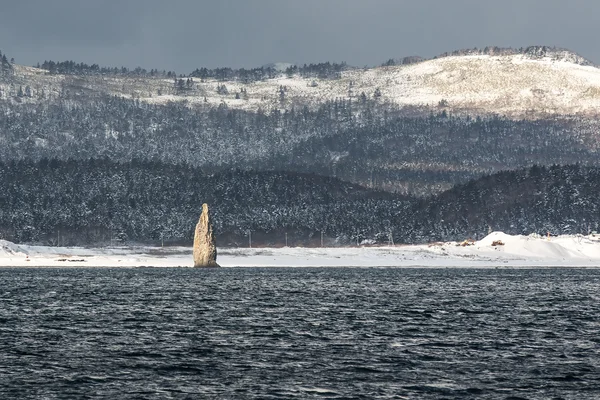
x=530 y=51
x=74 y=68
x=99 y=201
x=403 y=61
x=533 y=51
x=5 y=66
x=325 y=70
x=230 y=74
x=360 y=142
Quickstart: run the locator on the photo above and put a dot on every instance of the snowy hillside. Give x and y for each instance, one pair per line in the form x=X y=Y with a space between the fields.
x=518 y=85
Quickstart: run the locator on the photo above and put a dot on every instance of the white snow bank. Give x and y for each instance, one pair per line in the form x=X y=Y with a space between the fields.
x=10 y=249
x=514 y=251
x=534 y=246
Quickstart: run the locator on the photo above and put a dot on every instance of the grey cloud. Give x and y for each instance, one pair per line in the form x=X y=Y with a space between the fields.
x=68 y=22
x=184 y=34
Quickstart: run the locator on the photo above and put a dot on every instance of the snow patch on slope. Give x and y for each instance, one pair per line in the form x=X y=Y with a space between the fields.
x=517 y=85
x=9 y=249
x=509 y=85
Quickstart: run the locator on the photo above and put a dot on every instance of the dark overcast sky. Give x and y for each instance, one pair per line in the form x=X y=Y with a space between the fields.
x=181 y=35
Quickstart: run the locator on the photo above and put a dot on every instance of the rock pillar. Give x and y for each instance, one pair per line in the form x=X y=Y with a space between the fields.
x=205 y=249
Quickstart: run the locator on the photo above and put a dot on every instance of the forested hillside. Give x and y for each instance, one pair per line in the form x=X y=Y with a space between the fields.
x=364 y=143
x=402 y=127
x=94 y=201
x=556 y=200
x=92 y=154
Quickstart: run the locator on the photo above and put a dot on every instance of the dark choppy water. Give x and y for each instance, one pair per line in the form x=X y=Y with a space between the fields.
x=299 y=333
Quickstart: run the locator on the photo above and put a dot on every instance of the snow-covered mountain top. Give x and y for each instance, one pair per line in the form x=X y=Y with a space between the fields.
x=553 y=54
x=531 y=52
x=532 y=83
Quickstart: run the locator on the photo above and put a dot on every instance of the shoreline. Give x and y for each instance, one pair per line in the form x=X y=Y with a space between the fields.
x=432 y=267
x=512 y=252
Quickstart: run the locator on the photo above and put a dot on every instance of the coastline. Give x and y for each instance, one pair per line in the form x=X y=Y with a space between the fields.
x=532 y=251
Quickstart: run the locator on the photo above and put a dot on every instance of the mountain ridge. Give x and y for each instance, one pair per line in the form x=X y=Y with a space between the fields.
x=533 y=52
x=532 y=82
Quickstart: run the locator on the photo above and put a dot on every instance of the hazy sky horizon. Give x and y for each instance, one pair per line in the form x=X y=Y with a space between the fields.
x=182 y=35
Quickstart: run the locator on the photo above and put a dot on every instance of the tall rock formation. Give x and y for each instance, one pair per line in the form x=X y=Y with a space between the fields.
x=205 y=249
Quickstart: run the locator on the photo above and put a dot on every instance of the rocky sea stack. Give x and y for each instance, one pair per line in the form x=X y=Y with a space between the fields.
x=205 y=248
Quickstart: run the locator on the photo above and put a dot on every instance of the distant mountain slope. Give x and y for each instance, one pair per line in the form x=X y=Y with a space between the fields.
x=419 y=128
x=534 y=83
x=357 y=142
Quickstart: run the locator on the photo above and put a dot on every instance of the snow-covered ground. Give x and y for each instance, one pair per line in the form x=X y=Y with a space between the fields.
x=515 y=251
x=513 y=85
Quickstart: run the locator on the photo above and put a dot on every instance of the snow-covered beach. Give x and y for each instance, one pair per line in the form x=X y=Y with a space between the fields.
x=495 y=250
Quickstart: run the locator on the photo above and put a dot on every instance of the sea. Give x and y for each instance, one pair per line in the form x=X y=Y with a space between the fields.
x=299 y=333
